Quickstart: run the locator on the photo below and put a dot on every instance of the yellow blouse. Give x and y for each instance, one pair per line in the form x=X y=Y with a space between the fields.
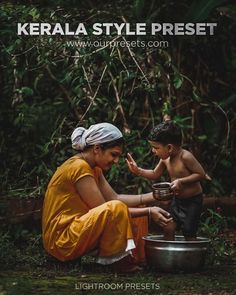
x=72 y=229
x=62 y=201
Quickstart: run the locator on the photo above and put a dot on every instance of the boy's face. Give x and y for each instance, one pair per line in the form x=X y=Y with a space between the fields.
x=161 y=150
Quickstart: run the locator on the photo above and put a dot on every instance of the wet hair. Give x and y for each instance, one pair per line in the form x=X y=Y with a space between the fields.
x=166 y=133
x=110 y=144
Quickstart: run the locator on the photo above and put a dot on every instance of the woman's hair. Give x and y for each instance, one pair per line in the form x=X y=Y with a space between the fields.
x=109 y=144
x=166 y=133
x=113 y=143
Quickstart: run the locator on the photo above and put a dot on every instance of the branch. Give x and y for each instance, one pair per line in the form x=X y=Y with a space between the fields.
x=64 y=90
x=86 y=77
x=96 y=92
x=133 y=57
x=126 y=126
x=108 y=43
x=121 y=60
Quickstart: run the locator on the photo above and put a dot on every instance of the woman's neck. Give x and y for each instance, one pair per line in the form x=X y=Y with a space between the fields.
x=88 y=157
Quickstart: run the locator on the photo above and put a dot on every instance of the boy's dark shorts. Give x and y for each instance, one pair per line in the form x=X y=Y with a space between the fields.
x=186 y=213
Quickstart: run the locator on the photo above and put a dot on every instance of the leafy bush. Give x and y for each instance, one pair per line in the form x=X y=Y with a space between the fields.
x=20 y=246
x=213 y=226
x=49 y=88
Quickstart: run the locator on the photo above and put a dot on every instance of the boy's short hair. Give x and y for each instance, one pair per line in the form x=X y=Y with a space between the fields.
x=166 y=133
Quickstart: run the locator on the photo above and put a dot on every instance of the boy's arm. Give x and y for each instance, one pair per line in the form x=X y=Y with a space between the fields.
x=192 y=164
x=195 y=168
x=149 y=174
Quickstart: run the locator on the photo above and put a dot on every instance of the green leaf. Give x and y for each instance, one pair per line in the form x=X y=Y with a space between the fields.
x=230 y=100
x=178 y=81
x=200 y=10
x=202 y=137
x=34 y=13
x=26 y=91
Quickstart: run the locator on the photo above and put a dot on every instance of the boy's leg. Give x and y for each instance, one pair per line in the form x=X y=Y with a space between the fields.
x=169 y=231
x=193 y=211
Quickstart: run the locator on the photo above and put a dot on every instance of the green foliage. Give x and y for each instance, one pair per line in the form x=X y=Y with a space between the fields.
x=178 y=81
x=49 y=88
x=20 y=245
x=200 y=10
x=6 y=246
x=213 y=226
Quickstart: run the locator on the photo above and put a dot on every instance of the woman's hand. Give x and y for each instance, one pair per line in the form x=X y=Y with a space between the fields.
x=160 y=216
x=133 y=167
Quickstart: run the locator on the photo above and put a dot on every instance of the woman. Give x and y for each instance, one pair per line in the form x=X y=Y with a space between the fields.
x=82 y=212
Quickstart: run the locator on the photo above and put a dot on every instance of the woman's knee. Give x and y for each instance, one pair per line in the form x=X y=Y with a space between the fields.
x=117 y=207
x=116 y=204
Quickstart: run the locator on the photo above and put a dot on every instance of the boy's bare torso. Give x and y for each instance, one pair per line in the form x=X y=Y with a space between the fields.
x=177 y=169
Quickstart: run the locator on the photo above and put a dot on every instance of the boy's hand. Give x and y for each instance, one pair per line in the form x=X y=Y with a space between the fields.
x=176 y=186
x=133 y=167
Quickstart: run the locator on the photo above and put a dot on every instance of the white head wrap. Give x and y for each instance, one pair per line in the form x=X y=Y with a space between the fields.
x=95 y=134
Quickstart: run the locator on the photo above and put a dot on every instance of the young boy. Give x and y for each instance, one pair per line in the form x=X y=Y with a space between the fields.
x=185 y=173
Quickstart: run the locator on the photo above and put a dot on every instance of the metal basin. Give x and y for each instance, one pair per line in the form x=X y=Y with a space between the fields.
x=175 y=256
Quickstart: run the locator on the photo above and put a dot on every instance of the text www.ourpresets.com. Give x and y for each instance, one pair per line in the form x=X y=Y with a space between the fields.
x=112 y=44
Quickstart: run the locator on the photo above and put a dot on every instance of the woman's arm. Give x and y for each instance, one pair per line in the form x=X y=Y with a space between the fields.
x=136 y=200
x=149 y=174
x=158 y=215
x=89 y=191
x=130 y=200
x=104 y=192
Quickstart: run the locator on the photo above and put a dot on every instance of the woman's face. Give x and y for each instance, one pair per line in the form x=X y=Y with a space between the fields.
x=108 y=157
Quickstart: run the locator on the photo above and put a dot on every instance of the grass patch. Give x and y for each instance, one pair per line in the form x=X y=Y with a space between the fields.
x=27 y=269
x=211 y=280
